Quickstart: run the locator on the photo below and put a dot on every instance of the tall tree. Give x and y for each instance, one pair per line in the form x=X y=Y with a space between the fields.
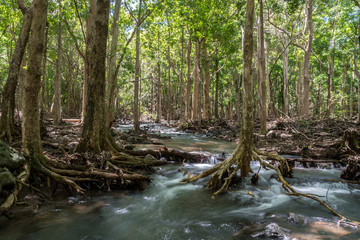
x=223 y=173
x=262 y=72
x=111 y=85
x=306 y=71
x=8 y=96
x=137 y=74
x=31 y=142
x=57 y=78
x=94 y=135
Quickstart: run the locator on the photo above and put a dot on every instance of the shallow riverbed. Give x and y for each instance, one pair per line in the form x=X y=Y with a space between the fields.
x=168 y=209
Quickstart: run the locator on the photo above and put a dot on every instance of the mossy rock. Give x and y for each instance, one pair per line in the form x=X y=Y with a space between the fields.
x=7 y=180
x=10 y=158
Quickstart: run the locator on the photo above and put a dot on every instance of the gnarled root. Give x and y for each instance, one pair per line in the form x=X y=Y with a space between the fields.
x=11 y=199
x=291 y=191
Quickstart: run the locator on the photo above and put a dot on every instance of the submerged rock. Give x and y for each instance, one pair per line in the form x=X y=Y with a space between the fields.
x=273 y=231
x=352 y=170
x=150 y=157
x=10 y=158
x=296 y=219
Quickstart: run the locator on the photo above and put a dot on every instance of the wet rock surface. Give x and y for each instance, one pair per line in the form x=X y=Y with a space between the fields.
x=10 y=158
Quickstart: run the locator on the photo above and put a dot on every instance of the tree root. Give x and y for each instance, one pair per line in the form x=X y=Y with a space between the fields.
x=292 y=192
x=219 y=171
x=12 y=198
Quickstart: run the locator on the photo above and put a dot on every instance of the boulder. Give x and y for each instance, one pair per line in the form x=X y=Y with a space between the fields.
x=273 y=231
x=7 y=180
x=296 y=219
x=10 y=158
x=150 y=157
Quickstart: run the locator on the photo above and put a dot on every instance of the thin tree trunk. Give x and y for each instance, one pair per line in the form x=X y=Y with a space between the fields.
x=44 y=95
x=262 y=73
x=137 y=76
x=217 y=75
x=57 y=79
x=188 y=80
x=306 y=74
x=286 y=71
x=298 y=90
x=182 y=83
x=169 y=100
x=206 y=85
x=196 y=96
x=111 y=81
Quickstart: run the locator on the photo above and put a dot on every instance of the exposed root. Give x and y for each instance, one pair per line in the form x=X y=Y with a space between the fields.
x=292 y=192
x=12 y=198
x=223 y=173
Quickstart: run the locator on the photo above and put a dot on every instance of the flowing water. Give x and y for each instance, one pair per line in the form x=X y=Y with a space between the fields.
x=170 y=210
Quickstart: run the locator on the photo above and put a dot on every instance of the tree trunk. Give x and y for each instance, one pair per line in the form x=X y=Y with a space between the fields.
x=31 y=142
x=306 y=76
x=169 y=100
x=137 y=76
x=298 y=91
x=182 y=83
x=262 y=72
x=111 y=81
x=216 y=108
x=44 y=95
x=8 y=96
x=196 y=95
x=89 y=40
x=286 y=71
x=158 y=88
x=206 y=88
x=94 y=135
x=57 y=79
x=188 y=80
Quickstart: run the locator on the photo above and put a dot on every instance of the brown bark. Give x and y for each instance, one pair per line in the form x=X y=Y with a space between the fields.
x=8 y=96
x=298 y=91
x=31 y=142
x=206 y=85
x=216 y=107
x=188 y=80
x=286 y=71
x=137 y=76
x=94 y=134
x=111 y=81
x=262 y=72
x=196 y=86
x=57 y=79
x=89 y=40
x=306 y=73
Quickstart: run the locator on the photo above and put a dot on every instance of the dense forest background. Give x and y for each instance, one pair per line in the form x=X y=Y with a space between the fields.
x=183 y=59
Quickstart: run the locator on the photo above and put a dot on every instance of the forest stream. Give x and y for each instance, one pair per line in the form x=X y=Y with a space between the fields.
x=167 y=209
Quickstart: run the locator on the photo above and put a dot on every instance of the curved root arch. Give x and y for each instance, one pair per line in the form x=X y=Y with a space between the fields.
x=219 y=170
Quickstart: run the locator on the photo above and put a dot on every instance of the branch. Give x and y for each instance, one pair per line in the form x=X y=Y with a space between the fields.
x=78 y=15
x=22 y=6
x=356 y=3
x=130 y=13
x=356 y=68
x=219 y=69
x=278 y=57
x=148 y=13
x=74 y=38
